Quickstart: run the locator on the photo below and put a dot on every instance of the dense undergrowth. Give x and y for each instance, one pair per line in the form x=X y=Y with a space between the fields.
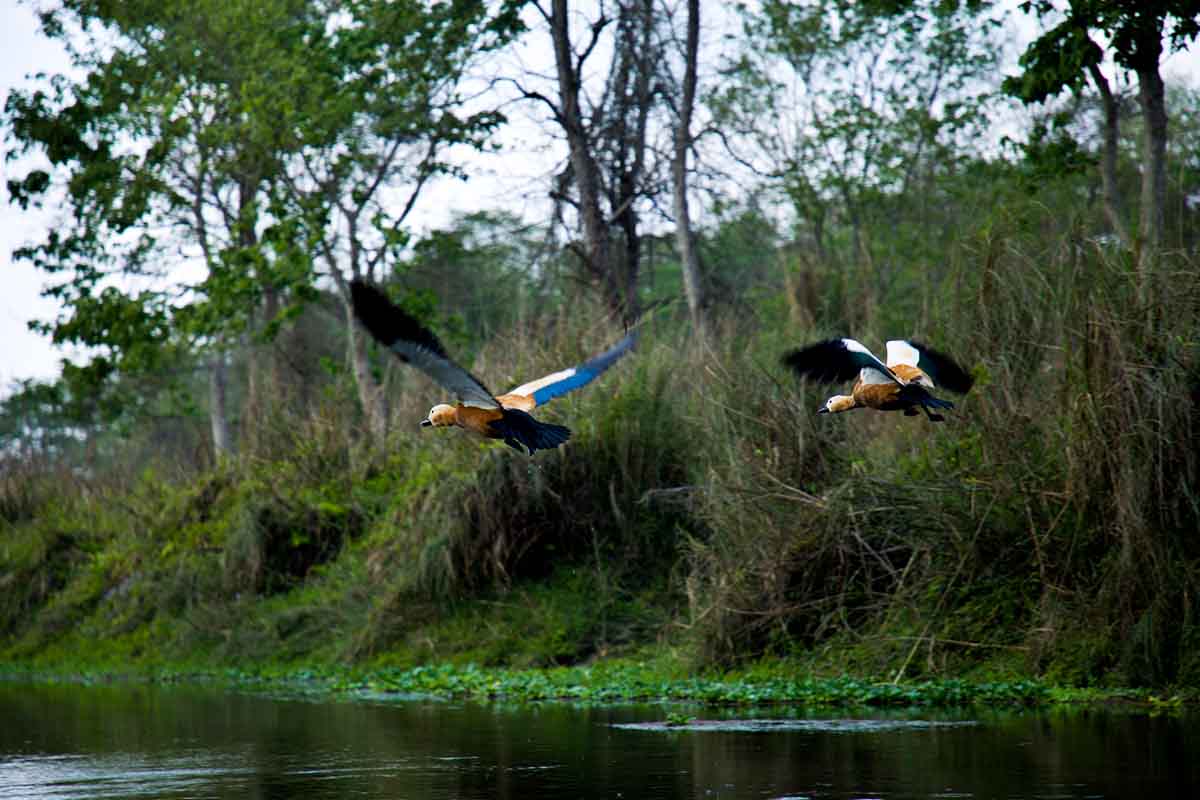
x=701 y=511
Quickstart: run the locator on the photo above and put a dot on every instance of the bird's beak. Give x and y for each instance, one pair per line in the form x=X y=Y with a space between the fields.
x=823 y=410
x=425 y=423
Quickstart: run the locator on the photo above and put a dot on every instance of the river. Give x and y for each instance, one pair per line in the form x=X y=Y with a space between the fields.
x=144 y=741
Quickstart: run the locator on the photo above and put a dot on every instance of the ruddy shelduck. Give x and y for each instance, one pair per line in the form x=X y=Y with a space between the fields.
x=902 y=384
x=474 y=408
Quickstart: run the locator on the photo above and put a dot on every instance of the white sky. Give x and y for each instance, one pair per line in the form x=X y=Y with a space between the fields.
x=514 y=182
x=23 y=354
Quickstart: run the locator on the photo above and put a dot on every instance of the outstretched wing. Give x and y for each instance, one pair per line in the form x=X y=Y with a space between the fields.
x=839 y=360
x=415 y=344
x=530 y=395
x=942 y=369
x=901 y=352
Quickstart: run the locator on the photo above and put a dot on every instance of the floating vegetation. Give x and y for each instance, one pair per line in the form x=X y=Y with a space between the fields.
x=622 y=682
x=610 y=682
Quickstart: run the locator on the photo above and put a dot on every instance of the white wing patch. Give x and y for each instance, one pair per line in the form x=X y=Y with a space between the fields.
x=880 y=374
x=870 y=375
x=901 y=352
x=533 y=386
x=857 y=347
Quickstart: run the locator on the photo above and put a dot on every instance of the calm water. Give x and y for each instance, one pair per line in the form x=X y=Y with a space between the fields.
x=150 y=742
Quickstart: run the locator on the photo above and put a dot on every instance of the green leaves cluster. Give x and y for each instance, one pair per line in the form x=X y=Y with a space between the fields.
x=1062 y=57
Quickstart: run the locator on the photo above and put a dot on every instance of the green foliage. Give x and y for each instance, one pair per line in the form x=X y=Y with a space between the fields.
x=1052 y=153
x=872 y=101
x=1062 y=57
x=1058 y=60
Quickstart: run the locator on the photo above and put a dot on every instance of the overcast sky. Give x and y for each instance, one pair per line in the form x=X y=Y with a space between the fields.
x=22 y=354
x=23 y=51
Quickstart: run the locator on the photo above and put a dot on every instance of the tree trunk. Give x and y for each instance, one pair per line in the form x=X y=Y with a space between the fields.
x=1114 y=205
x=262 y=399
x=262 y=385
x=595 y=229
x=690 y=261
x=218 y=408
x=623 y=136
x=1154 y=177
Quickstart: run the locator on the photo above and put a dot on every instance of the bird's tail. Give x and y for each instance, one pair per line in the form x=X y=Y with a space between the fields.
x=929 y=401
x=522 y=432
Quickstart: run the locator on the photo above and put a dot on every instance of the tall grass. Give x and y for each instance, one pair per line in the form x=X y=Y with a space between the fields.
x=1051 y=519
x=604 y=504
x=1109 y=482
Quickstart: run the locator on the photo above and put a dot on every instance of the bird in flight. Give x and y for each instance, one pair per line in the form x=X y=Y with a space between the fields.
x=902 y=384
x=503 y=417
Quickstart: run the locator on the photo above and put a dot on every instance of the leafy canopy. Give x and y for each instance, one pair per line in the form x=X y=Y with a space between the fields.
x=174 y=154
x=1062 y=57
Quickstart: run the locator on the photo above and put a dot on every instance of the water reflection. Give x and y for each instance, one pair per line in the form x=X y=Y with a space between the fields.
x=119 y=775
x=136 y=741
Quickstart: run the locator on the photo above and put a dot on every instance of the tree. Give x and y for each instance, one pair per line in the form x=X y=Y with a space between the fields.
x=373 y=108
x=622 y=100
x=611 y=171
x=34 y=421
x=1067 y=56
x=482 y=267
x=161 y=161
x=682 y=145
x=849 y=109
x=256 y=138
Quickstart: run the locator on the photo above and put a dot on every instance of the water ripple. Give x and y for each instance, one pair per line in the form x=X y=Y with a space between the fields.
x=806 y=725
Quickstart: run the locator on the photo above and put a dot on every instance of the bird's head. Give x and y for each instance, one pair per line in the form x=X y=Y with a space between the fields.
x=440 y=416
x=839 y=402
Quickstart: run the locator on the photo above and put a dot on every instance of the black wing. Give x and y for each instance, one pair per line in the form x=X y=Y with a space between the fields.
x=944 y=370
x=836 y=360
x=415 y=344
